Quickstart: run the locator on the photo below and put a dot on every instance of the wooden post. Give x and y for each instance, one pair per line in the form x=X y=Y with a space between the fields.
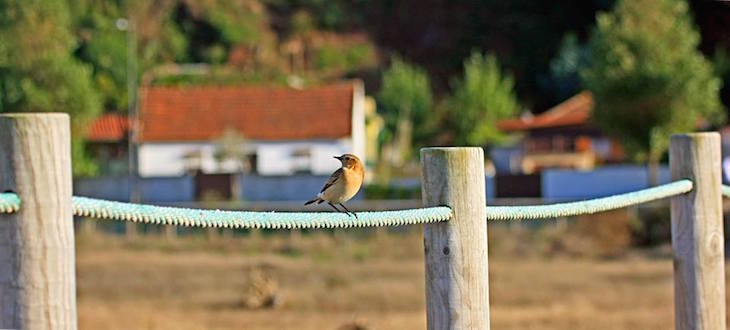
x=697 y=235
x=457 y=272
x=37 y=275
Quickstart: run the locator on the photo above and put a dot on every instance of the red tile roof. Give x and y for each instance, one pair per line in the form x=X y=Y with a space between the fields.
x=257 y=112
x=573 y=111
x=108 y=128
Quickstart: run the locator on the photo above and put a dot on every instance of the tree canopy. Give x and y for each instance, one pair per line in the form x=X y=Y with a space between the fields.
x=647 y=76
x=483 y=97
x=36 y=55
x=405 y=100
x=71 y=56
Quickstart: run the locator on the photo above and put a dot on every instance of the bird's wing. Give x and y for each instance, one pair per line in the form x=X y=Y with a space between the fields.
x=332 y=179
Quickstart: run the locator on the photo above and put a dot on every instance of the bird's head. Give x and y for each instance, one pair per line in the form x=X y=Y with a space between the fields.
x=349 y=161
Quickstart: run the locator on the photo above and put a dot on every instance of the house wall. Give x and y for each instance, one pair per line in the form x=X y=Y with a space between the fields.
x=506 y=160
x=282 y=188
x=273 y=158
x=408 y=183
x=252 y=188
x=116 y=188
x=601 y=182
x=182 y=189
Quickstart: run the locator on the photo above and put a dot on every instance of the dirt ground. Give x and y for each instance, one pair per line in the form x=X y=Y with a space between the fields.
x=360 y=280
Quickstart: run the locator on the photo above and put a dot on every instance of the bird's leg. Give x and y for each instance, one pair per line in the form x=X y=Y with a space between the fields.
x=336 y=209
x=344 y=207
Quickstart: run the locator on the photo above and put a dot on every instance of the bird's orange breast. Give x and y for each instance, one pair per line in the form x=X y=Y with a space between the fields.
x=345 y=188
x=353 y=181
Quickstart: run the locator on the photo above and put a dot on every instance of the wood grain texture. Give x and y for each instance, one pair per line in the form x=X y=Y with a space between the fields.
x=697 y=233
x=457 y=270
x=37 y=275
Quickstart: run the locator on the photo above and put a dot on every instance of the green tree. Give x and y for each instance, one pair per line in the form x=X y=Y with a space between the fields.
x=238 y=22
x=38 y=72
x=103 y=47
x=480 y=100
x=405 y=100
x=648 y=78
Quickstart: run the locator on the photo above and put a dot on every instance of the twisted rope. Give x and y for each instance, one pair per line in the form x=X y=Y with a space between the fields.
x=96 y=208
x=103 y=209
x=588 y=206
x=9 y=203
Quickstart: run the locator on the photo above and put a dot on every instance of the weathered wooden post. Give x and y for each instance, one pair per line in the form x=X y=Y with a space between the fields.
x=37 y=275
x=697 y=236
x=457 y=272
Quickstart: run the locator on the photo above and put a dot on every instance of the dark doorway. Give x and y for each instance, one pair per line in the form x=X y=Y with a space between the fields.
x=518 y=186
x=212 y=187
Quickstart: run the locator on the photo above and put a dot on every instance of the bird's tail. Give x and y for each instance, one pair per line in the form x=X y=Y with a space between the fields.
x=318 y=200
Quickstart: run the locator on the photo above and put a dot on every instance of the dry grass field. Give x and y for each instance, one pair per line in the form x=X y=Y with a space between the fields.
x=353 y=280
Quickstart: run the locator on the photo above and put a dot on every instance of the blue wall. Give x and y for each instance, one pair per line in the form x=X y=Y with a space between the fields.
x=556 y=184
x=281 y=188
x=253 y=188
x=490 y=187
x=604 y=181
x=173 y=189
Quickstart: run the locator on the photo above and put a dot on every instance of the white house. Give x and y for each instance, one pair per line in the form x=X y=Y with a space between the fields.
x=265 y=130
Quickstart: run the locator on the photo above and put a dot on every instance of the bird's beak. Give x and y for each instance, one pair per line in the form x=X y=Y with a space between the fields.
x=338 y=157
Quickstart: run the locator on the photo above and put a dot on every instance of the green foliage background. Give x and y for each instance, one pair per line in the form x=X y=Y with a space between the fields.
x=405 y=95
x=647 y=76
x=449 y=85
x=483 y=97
x=36 y=55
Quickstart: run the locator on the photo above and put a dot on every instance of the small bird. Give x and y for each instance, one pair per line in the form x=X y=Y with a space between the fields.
x=342 y=184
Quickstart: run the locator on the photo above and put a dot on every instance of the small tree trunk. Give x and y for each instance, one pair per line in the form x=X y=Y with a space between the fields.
x=403 y=142
x=653 y=171
x=383 y=168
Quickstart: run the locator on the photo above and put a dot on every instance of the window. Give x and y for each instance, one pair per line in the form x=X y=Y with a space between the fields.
x=301 y=159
